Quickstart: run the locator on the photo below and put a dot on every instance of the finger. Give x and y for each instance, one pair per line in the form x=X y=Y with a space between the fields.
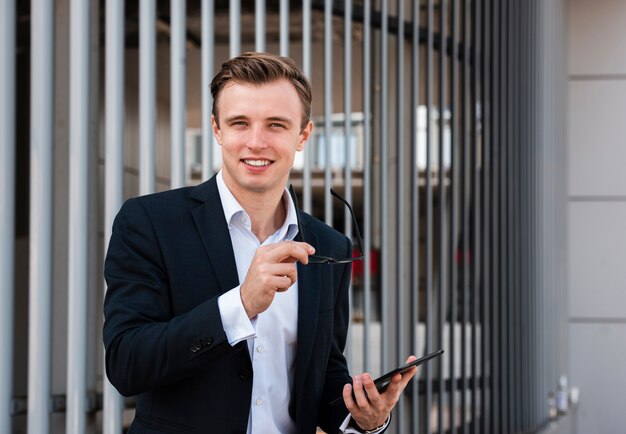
x=286 y=286
x=370 y=388
x=289 y=251
x=359 y=392
x=283 y=270
x=348 y=399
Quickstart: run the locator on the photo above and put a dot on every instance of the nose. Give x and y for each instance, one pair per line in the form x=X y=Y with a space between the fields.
x=256 y=139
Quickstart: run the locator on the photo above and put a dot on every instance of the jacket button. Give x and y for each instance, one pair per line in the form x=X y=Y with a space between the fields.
x=244 y=374
x=208 y=341
x=195 y=348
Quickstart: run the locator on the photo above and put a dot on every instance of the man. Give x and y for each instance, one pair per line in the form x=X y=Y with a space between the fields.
x=214 y=317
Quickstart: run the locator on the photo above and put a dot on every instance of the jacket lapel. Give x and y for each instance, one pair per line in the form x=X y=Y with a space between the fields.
x=213 y=230
x=309 y=283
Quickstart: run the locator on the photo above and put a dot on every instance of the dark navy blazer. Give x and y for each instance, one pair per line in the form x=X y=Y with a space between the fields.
x=170 y=257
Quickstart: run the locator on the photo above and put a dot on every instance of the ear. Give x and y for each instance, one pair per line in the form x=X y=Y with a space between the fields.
x=216 y=130
x=305 y=134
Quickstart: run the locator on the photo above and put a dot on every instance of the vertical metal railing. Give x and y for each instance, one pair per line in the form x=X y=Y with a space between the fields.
x=259 y=25
x=367 y=184
x=415 y=209
x=486 y=370
x=235 y=27
x=400 y=205
x=284 y=28
x=208 y=48
x=307 y=42
x=41 y=215
x=454 y=194
x=7 y=207
x=76 y=402
x=178 y=92
x=114 y=167
x=328 y=109
x=428 y=345
x=347 y=133
x=147 y=95
x=474 y=214
x=481 y=175
x=442 y=193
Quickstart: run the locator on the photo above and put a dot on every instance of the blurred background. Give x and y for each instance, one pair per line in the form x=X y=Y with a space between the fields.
x=480 y=142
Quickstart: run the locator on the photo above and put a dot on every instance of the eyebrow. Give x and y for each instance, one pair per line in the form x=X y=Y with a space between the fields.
x=282 y=119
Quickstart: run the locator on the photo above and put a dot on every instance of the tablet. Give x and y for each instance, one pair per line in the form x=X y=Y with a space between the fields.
x=383 y=381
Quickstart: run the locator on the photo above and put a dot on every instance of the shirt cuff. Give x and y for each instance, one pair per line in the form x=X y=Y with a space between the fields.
x=237 y=326
x=344 y=428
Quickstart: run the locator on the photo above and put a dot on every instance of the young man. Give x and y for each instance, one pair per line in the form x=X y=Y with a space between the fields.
x=214 y=316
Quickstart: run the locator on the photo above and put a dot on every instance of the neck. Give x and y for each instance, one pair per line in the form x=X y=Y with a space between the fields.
x=267 y=210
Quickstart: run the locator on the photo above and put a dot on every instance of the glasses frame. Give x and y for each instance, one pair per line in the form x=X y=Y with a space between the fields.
x=320 y=259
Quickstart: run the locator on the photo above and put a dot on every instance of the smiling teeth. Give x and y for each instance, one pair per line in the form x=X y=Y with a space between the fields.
x=257 y=163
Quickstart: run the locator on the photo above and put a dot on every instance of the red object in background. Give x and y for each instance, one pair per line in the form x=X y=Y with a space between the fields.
x=460 y=255
x=358 y=266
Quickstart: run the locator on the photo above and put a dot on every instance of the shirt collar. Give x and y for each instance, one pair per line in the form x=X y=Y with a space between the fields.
x=233 y=209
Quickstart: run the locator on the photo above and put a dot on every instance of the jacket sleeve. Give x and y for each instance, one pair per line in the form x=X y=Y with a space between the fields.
x=146 y=345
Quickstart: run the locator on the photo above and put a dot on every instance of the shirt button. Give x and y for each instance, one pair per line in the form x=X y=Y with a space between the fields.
x=259 y=401
x=260 y=349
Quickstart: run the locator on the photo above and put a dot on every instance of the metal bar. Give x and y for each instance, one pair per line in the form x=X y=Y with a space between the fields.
x=328 y=109
x=400 y=206
x=428 y=375
x=7 y=207
x=465 y=101
x=367 y=185
x=177 y=91
x=505 y=274
x=515 y=213
x=510 y=218
x=78 y=218
x=486 y=120
x=41 y=215
x=454 y=187
x=284 y=28
x=415 y=216
x=306 y=68
x=384 y=199
x=496 y=319
x=347 y=126
x=208 y=48
x=259 y=25
x=475 y=247
x=442 y=209
x=147 y=95
x=114 y=167
x=235 y=28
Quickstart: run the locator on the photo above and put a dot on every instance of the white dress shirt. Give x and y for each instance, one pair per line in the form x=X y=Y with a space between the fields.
x=272 y=335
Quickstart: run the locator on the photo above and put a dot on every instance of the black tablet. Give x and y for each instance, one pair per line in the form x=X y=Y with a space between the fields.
x=383 y=381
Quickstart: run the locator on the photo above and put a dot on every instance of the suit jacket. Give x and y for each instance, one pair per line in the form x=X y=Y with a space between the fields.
x=170 y=257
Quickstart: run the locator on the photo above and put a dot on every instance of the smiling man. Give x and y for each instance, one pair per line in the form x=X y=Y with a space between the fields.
x=214 y=316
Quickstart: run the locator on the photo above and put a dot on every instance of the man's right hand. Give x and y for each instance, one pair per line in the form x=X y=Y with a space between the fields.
x=273 y=269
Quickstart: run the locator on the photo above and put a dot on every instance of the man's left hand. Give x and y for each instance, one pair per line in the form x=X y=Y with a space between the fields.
x=369 y=408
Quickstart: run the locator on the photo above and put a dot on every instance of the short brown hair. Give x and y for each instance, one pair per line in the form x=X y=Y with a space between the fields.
x=260 y=68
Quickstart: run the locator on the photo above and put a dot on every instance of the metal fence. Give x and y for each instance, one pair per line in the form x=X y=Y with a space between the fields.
x=442 y=121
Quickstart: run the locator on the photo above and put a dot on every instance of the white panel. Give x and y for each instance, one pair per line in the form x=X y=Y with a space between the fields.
x=596 y=136
x=596 y=33
x=597 y=276
x=597 y=360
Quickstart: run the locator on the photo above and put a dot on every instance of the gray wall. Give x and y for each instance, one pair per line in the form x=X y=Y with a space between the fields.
x=597 y=212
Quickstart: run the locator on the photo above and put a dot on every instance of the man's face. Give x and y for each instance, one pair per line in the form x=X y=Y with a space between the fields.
x=259 y=131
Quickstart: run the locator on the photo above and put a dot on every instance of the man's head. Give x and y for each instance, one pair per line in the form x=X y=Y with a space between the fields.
x=262 y=68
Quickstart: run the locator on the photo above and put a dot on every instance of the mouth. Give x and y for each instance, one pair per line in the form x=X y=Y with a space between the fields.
x=257 y=162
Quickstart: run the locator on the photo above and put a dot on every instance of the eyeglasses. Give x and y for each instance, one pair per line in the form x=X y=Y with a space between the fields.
x=319 y=259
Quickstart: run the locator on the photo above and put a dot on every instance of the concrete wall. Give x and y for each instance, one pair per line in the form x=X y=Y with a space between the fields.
x=597 y=212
